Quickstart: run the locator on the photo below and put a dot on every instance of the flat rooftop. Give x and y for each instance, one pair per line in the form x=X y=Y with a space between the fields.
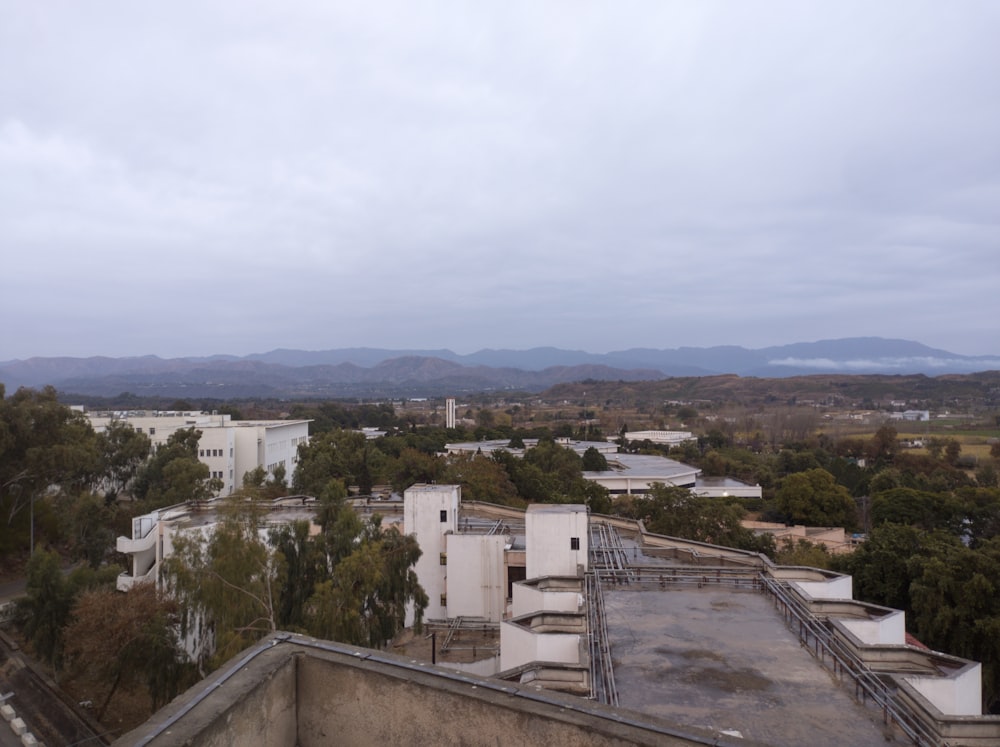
x=723 y=659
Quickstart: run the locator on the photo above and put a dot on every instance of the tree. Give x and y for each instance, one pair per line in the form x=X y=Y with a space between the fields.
x=814 y=498
x=482 y=479
x=128 y=639
x=123 y=450
x=91 y=522
x=44 y=611
x=305 y=566
x=594 y=461
x=336 y=454
x=364 y=600
x=45 y=448
x=917 y=508
x=675 y=511
x=174 y=474
x=230 y=577
x=412 y=467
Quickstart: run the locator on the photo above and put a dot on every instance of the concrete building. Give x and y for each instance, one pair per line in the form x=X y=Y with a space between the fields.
x=629 y=474
x=230 y=448
x=670 y=641
x=673 y=438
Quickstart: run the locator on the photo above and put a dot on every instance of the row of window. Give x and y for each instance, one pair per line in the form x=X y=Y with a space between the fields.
x=214 y=452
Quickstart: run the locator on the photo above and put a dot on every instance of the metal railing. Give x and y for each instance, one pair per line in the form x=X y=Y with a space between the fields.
x=607 y=551
x=824 y=645
x=602 y=674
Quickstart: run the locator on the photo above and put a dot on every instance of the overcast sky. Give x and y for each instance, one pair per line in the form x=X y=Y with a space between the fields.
x=229 y=176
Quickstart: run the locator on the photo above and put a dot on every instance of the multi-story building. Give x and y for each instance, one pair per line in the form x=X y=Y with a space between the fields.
x=230 y=448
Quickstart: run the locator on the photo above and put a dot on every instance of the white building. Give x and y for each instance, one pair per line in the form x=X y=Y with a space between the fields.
x=673 y=438
x=629 y=474
x=230 y=448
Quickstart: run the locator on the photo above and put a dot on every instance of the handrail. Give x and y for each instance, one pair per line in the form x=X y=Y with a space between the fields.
x=867 y=684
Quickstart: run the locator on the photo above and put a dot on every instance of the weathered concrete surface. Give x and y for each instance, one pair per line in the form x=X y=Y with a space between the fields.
x=304 y=693
x=724 y=660
x=254 y=704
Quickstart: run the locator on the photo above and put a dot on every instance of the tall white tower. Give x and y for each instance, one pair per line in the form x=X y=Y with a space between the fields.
x=449 y=412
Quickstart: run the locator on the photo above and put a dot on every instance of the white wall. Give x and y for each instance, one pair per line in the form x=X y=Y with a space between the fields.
x=839 y=587
x=549 y=533
x=960 y=695
x=529 y=598
x=889 y=629
x=422 y=510
x=519 y=645
x=475 y=576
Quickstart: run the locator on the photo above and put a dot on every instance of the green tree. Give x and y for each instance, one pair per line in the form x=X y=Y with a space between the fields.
x=337 y=454
x=594 y=461
x=305 y=566
x=47 y=450
x=482 y=479
x=814 y=498
x=123 y=450
x=44 y=611
x=676 y=512
x=174 y=475
x=412 y=467
x=91 y=524
x=917 y=508
x=230 y=576
x=364 y=600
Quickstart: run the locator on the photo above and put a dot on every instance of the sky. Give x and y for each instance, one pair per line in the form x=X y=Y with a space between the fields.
x=235 y=176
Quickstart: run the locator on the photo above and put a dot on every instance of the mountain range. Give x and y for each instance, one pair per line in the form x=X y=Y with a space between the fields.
x=373 y=372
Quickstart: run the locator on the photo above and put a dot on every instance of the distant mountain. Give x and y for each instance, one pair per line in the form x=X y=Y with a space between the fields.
x=373 y=372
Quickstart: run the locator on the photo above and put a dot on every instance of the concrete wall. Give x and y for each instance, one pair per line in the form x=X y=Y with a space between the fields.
x=959 y=695
x=422 y=507
x=839 y=587
x=534 y=597
x=305 y=693
x=520 y=645
x=475 y=582
x=887 y=630
x=549 y=533
x=254 y=704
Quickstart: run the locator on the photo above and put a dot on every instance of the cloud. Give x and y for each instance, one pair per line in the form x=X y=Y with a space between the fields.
x=499 y=175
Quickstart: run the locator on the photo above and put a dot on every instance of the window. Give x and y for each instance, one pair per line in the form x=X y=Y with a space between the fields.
x=574 y=543
x=444 y=600
x=201 y=452
x=152 y=431
x=444 y=515
x=444 y=558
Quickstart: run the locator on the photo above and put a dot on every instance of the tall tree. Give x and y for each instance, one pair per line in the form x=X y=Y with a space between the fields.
x=44 y=611
x=814 y=498
x=123 y=450
x=230 y=577
x=46 y=449
x=128 y=639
